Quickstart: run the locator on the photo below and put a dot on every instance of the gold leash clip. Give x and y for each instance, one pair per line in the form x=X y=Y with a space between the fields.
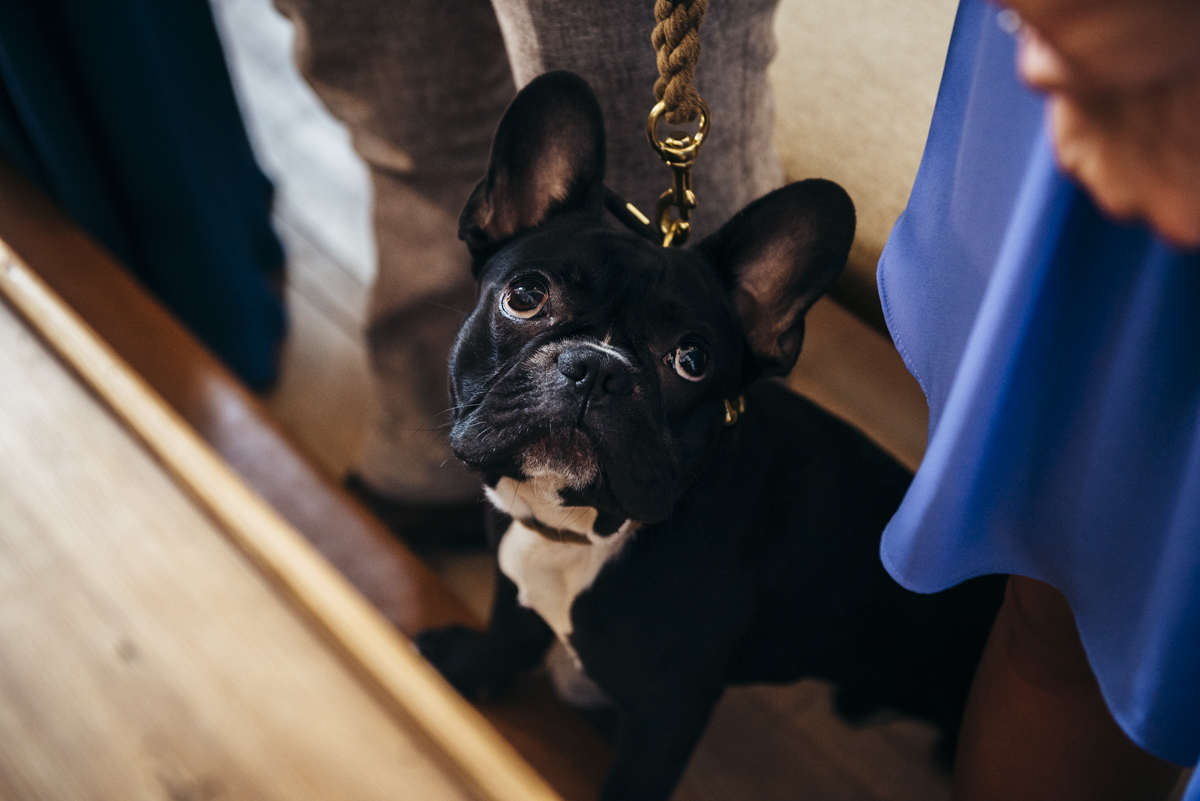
x=679 y=151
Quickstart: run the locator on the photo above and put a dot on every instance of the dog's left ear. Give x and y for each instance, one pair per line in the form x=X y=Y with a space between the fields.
x=547 y=156
x=777 y=257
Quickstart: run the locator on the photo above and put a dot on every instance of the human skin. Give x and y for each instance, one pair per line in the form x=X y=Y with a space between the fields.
x=1036 y=727
x=1122 y=79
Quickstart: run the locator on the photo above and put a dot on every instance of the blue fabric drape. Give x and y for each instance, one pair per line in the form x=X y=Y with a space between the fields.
x=123 y=112
x=1061 y=357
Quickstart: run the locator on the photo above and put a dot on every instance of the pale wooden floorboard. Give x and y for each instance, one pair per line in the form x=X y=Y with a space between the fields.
x=338 y=292
x=765 y=743
x=470 y=576
x=778 y=743
x=141 y=655
x=324 y=396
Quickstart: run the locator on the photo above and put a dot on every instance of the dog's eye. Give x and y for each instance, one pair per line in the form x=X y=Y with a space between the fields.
x=524 y=298
x=690 y=360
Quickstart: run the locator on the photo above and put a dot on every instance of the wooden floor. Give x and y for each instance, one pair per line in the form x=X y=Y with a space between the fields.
x=142 y=655
x=765 y=743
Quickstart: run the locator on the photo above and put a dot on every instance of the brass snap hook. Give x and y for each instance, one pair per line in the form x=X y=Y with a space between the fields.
x=679 y=151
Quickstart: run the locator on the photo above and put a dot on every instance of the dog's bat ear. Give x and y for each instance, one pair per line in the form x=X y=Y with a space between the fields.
x=777 y=256
x=547 y=156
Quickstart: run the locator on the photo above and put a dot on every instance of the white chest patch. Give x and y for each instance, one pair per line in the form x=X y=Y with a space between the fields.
x=551 y=574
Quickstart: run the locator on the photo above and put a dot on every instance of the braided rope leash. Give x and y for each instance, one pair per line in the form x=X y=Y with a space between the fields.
x=676 y=39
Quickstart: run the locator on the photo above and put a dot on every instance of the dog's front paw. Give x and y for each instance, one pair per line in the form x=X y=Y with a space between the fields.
x=464 y=656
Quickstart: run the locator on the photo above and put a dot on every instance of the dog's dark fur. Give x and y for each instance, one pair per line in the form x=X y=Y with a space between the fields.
x=757 y=555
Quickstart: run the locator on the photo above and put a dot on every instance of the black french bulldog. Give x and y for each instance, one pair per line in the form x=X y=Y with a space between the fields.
x=672 y=552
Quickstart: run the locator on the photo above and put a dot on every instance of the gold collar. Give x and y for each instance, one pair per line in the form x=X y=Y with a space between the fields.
x=734 y=408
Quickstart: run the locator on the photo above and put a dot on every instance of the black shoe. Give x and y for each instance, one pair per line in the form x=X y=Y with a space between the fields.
x=425 y=527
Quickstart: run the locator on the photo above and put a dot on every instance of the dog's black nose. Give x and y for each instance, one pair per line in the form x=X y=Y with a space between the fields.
x=595 y=370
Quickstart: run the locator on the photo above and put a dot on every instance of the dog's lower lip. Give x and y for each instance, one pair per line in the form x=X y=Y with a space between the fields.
x=547 y=441
x=572 y=448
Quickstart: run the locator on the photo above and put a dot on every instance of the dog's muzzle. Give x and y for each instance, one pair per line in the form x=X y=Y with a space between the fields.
x=596 y=370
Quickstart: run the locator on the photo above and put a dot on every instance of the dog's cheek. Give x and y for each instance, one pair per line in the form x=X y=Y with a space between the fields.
x=695 y=416
x=482 y=344
x=697 y=433
x=468 y=371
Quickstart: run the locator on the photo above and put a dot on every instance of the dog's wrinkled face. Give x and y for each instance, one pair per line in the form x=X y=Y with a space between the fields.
x=599 y=357
x=595 y=356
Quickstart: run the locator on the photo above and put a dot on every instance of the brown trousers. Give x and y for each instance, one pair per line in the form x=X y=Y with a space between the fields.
x=421 y=86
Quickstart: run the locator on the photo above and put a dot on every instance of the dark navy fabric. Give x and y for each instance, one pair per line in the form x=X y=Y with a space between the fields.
x=123 y=112
x=1060 y=354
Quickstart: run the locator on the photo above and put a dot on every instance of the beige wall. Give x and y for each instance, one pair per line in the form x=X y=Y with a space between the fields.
x=855 y=82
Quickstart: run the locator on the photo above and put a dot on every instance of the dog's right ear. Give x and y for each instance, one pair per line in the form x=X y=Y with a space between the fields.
x=547 y=157
x=776 y=257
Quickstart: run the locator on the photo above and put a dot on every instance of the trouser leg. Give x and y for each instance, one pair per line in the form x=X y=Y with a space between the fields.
x=609 y=45
x=421 y=86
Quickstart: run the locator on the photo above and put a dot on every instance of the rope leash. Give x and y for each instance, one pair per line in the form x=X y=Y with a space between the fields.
x=676 y=39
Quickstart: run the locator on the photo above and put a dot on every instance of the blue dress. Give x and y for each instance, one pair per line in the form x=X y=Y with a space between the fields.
x=1060 y=354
